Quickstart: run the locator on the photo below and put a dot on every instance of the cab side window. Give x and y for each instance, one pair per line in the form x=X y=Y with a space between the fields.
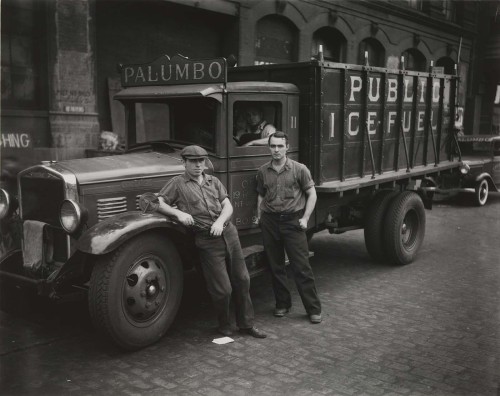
x=255 y=121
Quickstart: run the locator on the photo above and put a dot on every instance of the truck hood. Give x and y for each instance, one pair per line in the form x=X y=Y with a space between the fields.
x=123 y=167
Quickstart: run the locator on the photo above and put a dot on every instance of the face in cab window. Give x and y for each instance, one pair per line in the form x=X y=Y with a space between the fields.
x=254 y=122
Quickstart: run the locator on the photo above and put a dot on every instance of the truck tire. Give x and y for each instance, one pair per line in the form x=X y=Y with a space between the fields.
x=135 y=291
x=481 y=193
x=374 y=223
x=404 y=227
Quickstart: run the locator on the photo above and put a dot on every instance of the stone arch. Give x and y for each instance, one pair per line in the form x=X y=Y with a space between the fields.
x=276 y=40
x=249 y=18
x=333 y=41
x=409 y=42
x=289 y=11
x=323 y=20
x=415 y=60
x=445 y=51
x=380 y=35
x=377 y=52
x=446 y=62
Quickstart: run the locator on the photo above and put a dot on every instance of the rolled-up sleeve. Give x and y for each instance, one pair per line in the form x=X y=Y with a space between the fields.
x=170 y=192
x=306 y=181
x=221 y=190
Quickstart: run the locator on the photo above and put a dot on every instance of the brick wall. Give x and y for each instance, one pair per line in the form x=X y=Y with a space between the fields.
x=72 y=113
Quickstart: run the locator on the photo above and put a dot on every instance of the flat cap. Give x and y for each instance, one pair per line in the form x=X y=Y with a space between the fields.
x=193 y=152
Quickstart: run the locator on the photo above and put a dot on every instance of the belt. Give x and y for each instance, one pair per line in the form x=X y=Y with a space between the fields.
x=206 y=233
x=285 y=216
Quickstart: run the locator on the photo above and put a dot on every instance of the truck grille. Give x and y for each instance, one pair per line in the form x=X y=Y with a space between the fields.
x=42 y=194
x=108 y=207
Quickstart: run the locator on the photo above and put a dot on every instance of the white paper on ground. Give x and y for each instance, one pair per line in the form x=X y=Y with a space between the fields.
x=222 y=340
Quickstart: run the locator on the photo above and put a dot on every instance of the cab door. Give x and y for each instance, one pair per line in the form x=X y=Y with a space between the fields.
x=281 y=112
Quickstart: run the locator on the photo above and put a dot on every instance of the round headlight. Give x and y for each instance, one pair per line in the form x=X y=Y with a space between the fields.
x=70 y=216
x=464 y=168
x=4 y=203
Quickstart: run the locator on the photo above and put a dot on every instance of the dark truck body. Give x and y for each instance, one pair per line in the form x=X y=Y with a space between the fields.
x=373 y=139
x=339 y=103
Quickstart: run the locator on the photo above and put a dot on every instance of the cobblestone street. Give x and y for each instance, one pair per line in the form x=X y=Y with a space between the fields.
x=429 y=328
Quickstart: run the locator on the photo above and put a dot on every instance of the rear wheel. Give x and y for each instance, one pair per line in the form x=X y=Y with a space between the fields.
x=481 y=193
x=135 y=291
x=404 y=228
x=374 y=222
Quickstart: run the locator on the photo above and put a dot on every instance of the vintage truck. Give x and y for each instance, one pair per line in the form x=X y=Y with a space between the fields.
x=373 y=138
x=481 y=159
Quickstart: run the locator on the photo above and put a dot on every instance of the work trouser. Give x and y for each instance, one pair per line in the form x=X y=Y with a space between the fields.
x=226 y=274
x=280 y=233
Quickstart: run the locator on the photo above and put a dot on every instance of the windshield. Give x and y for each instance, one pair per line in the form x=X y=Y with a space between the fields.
x=183 y=120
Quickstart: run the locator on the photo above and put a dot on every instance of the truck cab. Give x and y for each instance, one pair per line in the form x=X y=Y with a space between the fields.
x=210 y=116
x=81 y=220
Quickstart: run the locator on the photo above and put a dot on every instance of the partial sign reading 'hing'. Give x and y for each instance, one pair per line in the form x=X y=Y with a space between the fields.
x=16 y=140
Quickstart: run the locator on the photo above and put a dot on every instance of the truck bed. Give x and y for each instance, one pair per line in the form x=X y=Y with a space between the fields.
x=358 y=183
x=356 y=121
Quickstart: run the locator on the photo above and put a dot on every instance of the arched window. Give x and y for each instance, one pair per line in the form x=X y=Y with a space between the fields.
x=276 y=40
x=333 y=42
x=376 y=52
x=447 y=63
x=414 y=60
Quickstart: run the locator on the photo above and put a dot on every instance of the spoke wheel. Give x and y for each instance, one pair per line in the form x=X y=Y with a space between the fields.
x=482 y=190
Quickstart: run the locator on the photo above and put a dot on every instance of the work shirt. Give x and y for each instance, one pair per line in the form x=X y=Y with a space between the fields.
x=283 y=191
x=201 y=201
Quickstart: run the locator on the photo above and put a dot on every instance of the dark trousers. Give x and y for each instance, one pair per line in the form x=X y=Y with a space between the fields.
x=226 y=274
x=282 y=233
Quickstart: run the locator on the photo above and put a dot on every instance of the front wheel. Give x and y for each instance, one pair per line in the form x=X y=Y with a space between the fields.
x=404 y=227
x=481 y=193
x=136 y=290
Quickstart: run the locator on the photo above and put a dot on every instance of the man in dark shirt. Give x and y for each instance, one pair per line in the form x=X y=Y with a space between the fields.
x=203 y=204
x=285 y=202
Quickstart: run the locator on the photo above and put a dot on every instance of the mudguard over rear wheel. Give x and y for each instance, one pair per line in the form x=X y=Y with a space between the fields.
x=404 y=228
x=136 y=290
x=374 y=224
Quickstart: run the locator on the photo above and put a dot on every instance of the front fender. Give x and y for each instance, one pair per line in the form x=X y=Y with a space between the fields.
x=471 y=181
x=487 y=176
x=108 y=234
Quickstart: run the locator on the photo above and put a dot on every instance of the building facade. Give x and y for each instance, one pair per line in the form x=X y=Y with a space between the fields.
x=59 y=57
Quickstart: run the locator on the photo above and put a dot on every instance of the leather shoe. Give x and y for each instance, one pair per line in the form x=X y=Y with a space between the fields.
x=280 y=312
x=225 y=331
x=254 y=332
x=315 y=318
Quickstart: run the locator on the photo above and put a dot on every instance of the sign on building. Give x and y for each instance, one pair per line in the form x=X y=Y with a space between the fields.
x=18 y=140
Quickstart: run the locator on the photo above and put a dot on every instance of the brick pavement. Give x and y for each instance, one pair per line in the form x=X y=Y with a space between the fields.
x=429 y=328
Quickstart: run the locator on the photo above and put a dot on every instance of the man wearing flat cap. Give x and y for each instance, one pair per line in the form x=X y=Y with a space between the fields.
x=203 y=205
